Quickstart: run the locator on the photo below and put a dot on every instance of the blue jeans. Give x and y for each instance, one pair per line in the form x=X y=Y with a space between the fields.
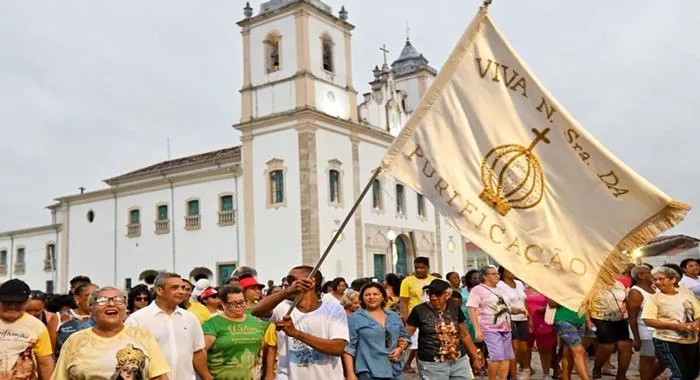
x=456 y=370
x=367 y=376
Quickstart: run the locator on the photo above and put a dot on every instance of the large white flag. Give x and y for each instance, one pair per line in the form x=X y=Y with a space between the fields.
x=508 y=167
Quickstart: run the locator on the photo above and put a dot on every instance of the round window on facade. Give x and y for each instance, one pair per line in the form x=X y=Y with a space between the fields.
x=90 y=216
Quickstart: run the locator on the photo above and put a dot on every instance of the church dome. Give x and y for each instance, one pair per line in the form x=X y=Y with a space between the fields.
x=410 y=61
x=275 y=4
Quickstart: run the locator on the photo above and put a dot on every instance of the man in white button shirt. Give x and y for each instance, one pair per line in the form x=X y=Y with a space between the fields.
x=177 y=331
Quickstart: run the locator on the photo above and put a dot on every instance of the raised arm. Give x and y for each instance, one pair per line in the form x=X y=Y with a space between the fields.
x=264 y=308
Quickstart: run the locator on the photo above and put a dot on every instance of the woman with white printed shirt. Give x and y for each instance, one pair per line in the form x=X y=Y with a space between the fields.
x=514 y=293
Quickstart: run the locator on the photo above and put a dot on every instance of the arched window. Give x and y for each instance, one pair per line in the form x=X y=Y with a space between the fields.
x=193 y=207
x=334 y=185
x=400 y=200
x=50 y=257
x=377 y=195
x=277 y=186
x=421 y=205
x=327 y=52
x=134 y=216
x=272 y=52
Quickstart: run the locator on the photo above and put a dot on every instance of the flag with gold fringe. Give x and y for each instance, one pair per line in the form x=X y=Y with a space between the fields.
x=508 y=167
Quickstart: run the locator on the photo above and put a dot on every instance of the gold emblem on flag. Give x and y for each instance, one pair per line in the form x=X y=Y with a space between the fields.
x=512 y=176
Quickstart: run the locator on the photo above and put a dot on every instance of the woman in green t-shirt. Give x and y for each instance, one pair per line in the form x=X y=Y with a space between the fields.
x=233 y=339
x=571 y=328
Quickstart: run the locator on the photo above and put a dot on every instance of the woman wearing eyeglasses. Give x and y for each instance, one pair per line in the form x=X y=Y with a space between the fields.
x=139 y=297
x=377 y=338
x=110 y=350
x=234 y=336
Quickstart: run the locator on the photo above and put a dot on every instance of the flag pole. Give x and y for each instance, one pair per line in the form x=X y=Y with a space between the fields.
x=338 y=233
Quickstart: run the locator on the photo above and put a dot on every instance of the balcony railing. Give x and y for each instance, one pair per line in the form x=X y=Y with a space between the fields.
x=3 y=270
x=192 y=222
x=48 y=266
x=162 y=226
x=133 y=230
x=19 y=268
x=227 y=218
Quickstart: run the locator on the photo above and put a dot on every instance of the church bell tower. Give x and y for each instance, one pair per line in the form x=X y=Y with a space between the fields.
x=296 y=54
x=297 y=80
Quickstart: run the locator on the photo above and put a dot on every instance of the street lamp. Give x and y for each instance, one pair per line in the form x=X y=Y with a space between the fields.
x=451 y=246
x=391 y=235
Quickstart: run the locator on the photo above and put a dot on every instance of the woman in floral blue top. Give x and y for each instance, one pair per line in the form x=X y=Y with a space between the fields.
x=377 y=339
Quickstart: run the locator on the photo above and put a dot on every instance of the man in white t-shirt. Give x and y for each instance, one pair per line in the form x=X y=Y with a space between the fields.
x=311 y=341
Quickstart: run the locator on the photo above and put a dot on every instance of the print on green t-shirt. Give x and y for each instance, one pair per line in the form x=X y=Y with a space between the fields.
x=236 y=348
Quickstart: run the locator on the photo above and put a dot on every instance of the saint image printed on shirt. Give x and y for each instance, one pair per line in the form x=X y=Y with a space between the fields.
x=689 y=317
x=23 y=368
x=131 y=364
x=448 y=336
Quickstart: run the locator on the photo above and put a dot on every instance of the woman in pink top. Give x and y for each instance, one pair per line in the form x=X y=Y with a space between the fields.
x=541 y=334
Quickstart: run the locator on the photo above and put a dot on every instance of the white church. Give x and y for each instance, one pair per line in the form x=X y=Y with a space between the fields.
x=273 y=202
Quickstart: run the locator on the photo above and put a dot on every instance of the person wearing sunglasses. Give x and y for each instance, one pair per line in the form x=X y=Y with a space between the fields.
x=111 y=349
x=138 y=298
x=234 y=336
x=444 y=343
x=378 y=338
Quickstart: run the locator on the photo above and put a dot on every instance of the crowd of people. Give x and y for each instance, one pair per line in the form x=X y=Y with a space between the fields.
x=485 y=323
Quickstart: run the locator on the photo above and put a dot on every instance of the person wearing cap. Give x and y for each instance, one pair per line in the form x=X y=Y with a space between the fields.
x=252 y=290
x=411 y=294
x=178 y=332
x=210 y=299
x=24 y=340
x=444 y=343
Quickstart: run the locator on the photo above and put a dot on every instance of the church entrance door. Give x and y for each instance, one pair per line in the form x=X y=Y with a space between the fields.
x=401 y=266
x=225 y=271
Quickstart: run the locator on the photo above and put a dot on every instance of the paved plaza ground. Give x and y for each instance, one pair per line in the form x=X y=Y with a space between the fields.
x=632 y=373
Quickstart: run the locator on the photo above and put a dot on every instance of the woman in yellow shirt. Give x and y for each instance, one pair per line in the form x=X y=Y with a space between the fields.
x=110 y=350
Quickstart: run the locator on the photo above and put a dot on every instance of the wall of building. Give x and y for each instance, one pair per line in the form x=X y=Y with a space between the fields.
x=277 y=230
x=341 y=261
x=411 y=86
x=91 y=249
x=275 y=95
x=284 y=26
x=35 y=274
x=370 y=157
x=317 y=28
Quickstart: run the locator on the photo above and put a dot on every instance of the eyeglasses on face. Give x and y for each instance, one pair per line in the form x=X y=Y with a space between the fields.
x=235 y=304
x=289 y=279
x=118 y=300
x=142 y=299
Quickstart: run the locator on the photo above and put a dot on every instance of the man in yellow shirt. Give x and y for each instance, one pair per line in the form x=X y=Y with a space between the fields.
x=24 y=340
x=200 y=311
x=412 y=295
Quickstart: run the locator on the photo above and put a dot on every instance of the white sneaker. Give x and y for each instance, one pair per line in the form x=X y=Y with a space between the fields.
x=524 y=374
